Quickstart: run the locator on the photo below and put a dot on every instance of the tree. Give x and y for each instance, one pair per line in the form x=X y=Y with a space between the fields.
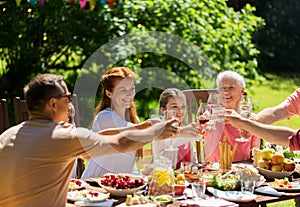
x=59 y=37
x=280 y=39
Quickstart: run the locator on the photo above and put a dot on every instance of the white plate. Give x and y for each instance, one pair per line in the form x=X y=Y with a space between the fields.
x=295 y=187
x=235 y=196
x=84 y=195
x=107 y=203
x=75 y=184
x=271 y=175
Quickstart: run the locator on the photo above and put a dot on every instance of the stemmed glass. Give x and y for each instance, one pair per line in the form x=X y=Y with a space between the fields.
x=245 y=108
x=171 y=152
x=213 y=100
x=203 y=117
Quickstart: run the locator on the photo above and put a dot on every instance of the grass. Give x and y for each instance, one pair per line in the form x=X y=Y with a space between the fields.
x=271 y=93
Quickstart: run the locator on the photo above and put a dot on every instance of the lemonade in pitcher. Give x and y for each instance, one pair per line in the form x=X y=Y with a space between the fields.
x=162 y=178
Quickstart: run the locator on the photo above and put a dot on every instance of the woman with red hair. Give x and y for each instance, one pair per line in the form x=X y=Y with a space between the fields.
x=115 y=109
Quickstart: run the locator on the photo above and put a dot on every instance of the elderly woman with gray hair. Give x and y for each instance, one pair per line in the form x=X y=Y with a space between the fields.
x=231 y=87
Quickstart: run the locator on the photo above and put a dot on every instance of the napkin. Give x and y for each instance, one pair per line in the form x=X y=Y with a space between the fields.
x=267 y=190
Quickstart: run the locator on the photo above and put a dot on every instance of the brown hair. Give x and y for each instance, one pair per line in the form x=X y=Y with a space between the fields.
x=108 y=82
x=41 y=88
x=167 y=94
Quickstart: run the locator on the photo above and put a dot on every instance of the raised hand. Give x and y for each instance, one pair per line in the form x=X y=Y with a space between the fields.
x=189 y=131
x=166 y=129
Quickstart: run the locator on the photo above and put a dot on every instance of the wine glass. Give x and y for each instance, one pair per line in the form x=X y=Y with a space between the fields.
x=217 y=111
x=213 y=100
x=171 y=152
x=203 y=116
x=245 y=108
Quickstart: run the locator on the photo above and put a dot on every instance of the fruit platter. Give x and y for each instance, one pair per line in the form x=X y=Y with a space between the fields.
x=121 y=185
x=274 y=165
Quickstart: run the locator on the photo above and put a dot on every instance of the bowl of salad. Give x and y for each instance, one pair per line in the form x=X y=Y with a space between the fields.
x=228 y=182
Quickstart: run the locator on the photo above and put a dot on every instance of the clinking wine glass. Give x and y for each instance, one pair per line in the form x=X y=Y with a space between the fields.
x=171 y=152
x=245 y=108
x=203 y=117
x=213 y=100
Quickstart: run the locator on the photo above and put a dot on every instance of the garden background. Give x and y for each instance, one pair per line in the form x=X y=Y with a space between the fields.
x=254 y=38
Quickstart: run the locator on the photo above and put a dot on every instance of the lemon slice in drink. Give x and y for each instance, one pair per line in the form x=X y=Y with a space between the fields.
x=162 y=177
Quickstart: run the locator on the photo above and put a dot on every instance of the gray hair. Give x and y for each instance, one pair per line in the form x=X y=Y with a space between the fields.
x=232 y=75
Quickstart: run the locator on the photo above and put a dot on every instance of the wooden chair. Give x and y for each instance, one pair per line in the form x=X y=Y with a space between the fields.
x=21 y=110
x=193 y=97
x=4 y=120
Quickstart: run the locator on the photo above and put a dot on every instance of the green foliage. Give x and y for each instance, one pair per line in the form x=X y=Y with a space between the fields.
x=223 y=35
x=59 y=37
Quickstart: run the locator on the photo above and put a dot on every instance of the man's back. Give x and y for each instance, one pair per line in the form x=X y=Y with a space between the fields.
x=36 y=164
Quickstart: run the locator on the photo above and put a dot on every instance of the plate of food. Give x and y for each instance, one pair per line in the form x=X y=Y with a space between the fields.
x=269 y=174
x=285 y=185
x=235 y=196
x=75 y=184
x=87 y=195
x=121 y=185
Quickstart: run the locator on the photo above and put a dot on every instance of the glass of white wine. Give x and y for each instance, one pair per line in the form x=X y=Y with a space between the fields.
x=245 y=108
x=171 y=152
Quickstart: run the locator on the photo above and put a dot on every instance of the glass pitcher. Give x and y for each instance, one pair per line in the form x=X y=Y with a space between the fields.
x=162 y=178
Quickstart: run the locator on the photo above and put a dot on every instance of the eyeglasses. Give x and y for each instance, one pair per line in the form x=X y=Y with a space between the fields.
x=69 y=96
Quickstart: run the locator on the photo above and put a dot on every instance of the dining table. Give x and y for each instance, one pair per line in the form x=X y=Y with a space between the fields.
x=260 y=200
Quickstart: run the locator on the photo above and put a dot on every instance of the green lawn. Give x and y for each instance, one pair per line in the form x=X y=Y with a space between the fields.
x=271 y=93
